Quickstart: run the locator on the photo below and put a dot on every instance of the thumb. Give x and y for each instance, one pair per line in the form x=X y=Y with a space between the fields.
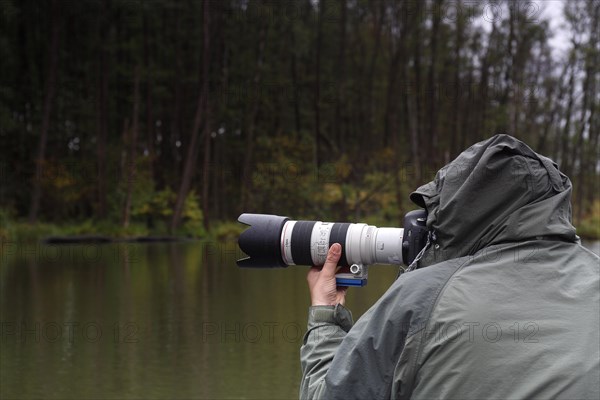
x=333 y=256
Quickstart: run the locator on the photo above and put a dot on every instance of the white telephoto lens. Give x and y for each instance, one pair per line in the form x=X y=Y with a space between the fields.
x=363 y=244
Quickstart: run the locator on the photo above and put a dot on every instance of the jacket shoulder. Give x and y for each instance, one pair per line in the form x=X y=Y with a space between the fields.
x=414 y=294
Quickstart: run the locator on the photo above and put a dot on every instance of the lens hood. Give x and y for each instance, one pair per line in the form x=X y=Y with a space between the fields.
x=261 y=241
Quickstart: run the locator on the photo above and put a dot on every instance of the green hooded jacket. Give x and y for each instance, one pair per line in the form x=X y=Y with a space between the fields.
x=504 y=304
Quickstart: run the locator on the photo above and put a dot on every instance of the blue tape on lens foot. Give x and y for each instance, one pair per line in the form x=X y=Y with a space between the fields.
x=350 y=282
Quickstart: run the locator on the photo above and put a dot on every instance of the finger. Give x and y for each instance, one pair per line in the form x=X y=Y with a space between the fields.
x=333 y=256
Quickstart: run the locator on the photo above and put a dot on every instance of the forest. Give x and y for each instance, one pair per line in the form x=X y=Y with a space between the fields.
x=161 y=117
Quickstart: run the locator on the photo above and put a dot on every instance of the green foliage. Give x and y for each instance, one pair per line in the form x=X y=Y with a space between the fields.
x=340 y=109
x=341 y=190
x=191 y=208
x=589 y=228
x=158 y=208
x=192 y=217
x=12 y=230
x=91 y=227
x=157 y=205
x=226 y=231
x=24 y=232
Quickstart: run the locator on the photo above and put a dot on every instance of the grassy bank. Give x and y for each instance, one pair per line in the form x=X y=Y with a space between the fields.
x=23 y=232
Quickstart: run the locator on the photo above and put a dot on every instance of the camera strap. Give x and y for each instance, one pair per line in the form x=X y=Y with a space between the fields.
x=431 y=237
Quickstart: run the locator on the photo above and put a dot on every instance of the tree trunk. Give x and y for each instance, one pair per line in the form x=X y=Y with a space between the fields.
x=457 y=87
x=49 y=91
x=190 y=160
x=341 y=72
x=409 y=102
x=317 y=87
x=549 y=120
x=149 y=117
x=412 y=122
x=417 y=128
x=218 y=199
x=178 y=93
x=511 y=38
x=594 y=132
x=397 y=54
x=102 y=112
x=577 y=149
x=131 y=167
x=207 y=135
x=556 y=149
x=368 y=135
x=206 y=171
x=564 y=159
x=249 y=154
x=431 y=80
x=483 y=92
x=391 y=100
x=295 y=84
x=396 y=111
x=589 y=89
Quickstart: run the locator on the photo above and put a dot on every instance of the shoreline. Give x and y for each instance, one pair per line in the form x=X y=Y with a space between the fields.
x=84 y=233
x=99 y=239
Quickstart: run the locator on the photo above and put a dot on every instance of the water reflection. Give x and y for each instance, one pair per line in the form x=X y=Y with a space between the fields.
x=153 y=321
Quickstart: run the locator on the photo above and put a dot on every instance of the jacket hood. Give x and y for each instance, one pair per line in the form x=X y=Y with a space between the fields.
x=496 y=191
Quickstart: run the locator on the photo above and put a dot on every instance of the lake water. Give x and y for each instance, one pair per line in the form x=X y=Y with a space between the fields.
x=154 y=321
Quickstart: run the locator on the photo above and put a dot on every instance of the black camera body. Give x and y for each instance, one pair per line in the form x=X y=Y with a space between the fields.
x=415 y=234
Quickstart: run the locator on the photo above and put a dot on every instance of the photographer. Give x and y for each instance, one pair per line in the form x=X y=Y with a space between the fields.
x=503 y=303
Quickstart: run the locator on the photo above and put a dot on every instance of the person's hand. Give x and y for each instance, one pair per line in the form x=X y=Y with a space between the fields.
x=321 y=281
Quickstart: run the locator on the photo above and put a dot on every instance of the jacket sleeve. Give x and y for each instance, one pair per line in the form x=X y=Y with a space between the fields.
x=327 y=326
x=341 y=361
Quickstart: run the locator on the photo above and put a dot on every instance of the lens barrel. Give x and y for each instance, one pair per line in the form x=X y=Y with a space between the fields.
x=274 y=241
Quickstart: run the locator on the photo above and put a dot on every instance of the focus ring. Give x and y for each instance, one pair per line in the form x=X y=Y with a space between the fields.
x=338 y=235
x=301 y=242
